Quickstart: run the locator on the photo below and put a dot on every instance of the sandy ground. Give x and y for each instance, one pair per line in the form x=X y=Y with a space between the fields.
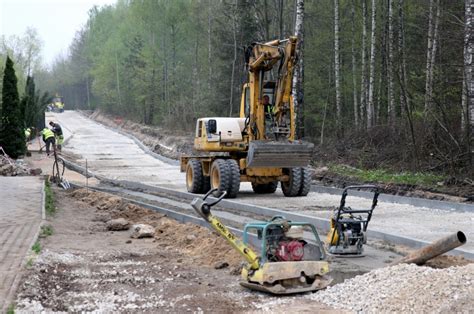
x=116 y=156
x=84 y=267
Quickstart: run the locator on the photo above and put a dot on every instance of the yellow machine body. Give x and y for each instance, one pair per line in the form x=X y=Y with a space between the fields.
x=262 y=142
x=276 y=277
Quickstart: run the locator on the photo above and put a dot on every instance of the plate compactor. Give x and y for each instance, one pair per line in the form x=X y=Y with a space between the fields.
x=285 y=263
x=348 y=226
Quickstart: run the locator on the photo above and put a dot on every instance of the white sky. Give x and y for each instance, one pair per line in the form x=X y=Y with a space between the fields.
x=55 y=20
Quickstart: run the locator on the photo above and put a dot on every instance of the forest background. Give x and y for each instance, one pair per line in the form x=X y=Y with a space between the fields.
x=386 y=83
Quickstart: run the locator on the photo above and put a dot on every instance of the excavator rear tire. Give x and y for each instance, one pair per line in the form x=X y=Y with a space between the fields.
x=194 y=177
x=305 y=182
x=234 y=178
x=292 y=187
x=220 y=176
x=266 y=188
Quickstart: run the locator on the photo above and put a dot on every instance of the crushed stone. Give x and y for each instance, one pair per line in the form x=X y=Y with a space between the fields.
x=404 y=288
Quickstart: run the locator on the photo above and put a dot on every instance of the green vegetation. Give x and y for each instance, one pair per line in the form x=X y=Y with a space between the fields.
x=29 y=263
x=36 y=247
x=11 y=309
x=385 y=176
x=46 y=231
x=49 y=202
x=12 y=135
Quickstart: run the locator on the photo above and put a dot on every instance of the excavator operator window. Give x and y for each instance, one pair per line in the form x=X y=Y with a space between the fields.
x=247 y=101
x=199 y=129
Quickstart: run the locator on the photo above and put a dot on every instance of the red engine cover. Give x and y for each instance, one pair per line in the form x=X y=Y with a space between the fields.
x=290 y=250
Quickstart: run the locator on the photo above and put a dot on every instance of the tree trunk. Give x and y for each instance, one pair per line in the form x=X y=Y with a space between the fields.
x=337 y=77
x=370 y=103
x=209 y=45
x=118 y=82
x=234 y=36
x=469 y=75
x=280 y=18
x=354 y=79
x=363 y=79
x=298 y=78
x=431 y=52
x=404 y=100
x=391 y=94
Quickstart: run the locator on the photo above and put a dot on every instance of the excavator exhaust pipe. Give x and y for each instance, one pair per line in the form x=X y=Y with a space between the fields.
x=439 y=247
x=279 y=154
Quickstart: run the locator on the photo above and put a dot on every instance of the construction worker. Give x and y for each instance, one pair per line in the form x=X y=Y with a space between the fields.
x=58 y=133
x=48 y=138
x=268 y=109
x=27 y=134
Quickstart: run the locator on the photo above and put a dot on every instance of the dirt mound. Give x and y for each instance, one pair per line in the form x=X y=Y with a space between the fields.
x=445 y=261
x=201 y=244
x=11 y=168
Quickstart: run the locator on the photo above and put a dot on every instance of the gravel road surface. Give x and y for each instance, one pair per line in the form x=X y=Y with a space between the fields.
x=116 y=156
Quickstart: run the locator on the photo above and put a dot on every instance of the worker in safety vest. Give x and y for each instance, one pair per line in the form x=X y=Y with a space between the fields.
x=58 y=133
x=48 y=138
x=27 y=134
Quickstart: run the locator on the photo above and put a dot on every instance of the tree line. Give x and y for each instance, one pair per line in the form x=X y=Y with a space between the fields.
x=383 y=82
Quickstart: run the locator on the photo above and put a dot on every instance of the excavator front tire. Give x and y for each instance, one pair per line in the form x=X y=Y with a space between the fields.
x=220 y=176
x=305 y=182
x=292 y=187
x=194 y=177
x=234 y=178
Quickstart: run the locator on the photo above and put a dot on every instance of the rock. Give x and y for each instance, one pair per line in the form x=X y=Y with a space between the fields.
x=190 y=238
x=117 y=224
x=36 y=171
x=235 y=271
x=320 y=171
x=128 y=241
x=221 y=265
x=142 y=231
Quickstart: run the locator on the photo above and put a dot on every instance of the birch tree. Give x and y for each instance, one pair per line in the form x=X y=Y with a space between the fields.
x=354 y=70
x=298 y=78
x=431 y=52
x=391 y=94
x=337 y=66
x=370 y=102
x=469 y=73
x=363 y=79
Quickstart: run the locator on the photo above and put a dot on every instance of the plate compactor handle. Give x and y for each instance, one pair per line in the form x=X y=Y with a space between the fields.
x=202 y=207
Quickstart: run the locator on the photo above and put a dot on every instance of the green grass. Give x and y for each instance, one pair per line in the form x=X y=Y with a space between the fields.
x=49 y=202
x=385 y=176
x=36 y=247
x=11 y=309
x=29 y=262
x=46 y=231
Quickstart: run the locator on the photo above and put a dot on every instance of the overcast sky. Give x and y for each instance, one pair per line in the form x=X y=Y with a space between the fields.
x=55 y=20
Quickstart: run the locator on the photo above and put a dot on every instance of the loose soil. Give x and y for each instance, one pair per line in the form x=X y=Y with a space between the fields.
x=84 y=267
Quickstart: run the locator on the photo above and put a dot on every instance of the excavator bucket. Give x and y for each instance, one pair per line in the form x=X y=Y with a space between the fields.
x=279 y=154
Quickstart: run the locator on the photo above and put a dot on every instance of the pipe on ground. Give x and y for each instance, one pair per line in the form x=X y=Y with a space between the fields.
x=439 y=247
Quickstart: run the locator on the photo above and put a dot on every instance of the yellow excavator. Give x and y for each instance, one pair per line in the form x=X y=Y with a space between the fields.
x=259 y=146
x=291 y=255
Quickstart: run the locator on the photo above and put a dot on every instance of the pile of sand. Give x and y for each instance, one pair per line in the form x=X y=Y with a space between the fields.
x=200 y=244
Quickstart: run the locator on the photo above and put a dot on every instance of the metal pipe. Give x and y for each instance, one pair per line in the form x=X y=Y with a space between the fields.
x=439 y=247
